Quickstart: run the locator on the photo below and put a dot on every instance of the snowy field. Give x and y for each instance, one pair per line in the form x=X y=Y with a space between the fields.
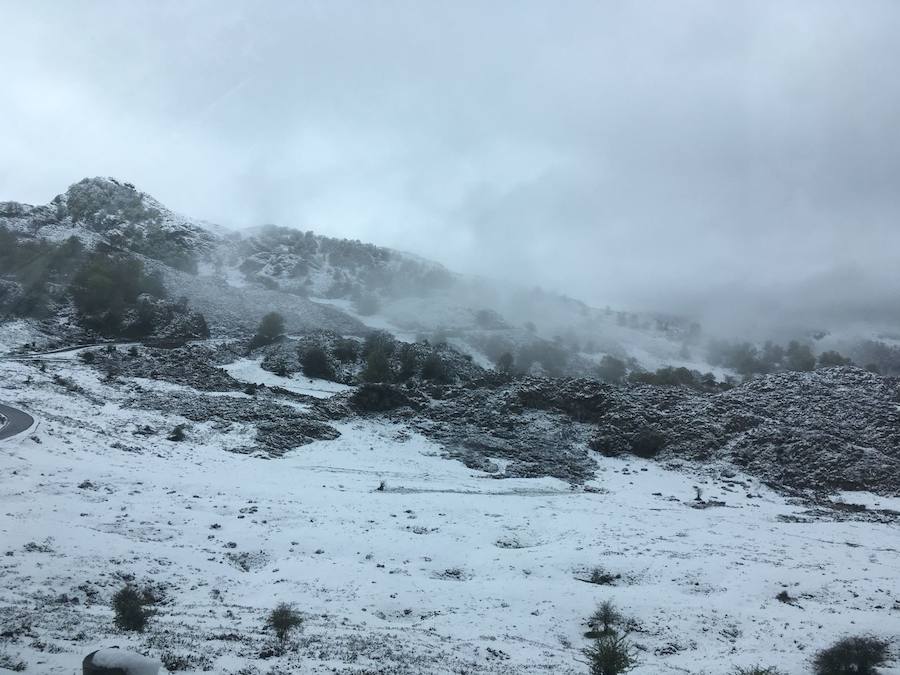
x=443 y=571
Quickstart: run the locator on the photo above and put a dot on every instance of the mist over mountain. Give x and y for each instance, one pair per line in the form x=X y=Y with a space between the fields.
x=418 y=338
x=655 y=157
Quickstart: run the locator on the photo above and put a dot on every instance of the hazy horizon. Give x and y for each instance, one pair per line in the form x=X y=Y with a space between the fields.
x=735 y=163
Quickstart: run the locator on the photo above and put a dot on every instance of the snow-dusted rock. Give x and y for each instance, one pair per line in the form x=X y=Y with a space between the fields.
x=115 y=661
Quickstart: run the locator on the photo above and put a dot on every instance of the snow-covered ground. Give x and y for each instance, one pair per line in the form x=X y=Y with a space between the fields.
x=250 y=371
x=444 y=570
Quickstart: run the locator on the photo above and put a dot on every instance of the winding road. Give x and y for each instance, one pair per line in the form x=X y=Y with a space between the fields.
x=16 y=421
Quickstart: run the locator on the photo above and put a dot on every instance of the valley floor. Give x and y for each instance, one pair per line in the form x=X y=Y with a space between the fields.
x=445 y=570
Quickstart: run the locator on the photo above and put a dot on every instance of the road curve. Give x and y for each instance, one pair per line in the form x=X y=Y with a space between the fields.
x=16 y=421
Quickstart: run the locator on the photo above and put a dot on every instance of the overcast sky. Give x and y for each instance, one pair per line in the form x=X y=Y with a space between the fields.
x=666 y=155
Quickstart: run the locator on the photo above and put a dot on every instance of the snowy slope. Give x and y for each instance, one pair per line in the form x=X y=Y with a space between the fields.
x=445 y=570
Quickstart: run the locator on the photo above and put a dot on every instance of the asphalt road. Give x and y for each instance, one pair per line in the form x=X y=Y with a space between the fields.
x=16 y=421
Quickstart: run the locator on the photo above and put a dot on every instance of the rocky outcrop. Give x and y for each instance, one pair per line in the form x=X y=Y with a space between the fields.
x=831 y=429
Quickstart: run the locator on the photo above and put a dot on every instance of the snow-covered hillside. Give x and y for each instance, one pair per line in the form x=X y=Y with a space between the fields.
x=440 y=570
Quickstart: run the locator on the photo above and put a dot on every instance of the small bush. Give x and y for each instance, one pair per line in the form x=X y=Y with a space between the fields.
x=345 y=350
x=378 y=367
x=178 y=433
x=857 y=655
x=604 y=619
x=756 y=670
x=314 y=362
x=505 y=363
x=270 y=328
x=647 y=443
x=435 y=370
x=7 y=662
x=87 y=357
x=379 y=398
x=785 y=597
x=610 y=654
x=128 y=605
x=283 y=619
x=602 y=577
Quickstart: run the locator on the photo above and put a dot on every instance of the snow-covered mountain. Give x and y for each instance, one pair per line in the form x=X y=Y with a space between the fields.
x=410 y=464
x=321 y=282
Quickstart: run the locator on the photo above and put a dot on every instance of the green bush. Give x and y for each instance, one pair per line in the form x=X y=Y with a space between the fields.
x=345 y=350
x=435 y=370
x=611 y=654
x=611 y=369
x=378 y=367
x=315 y=363
x=283 y=619
x=647 y=443
x=270 y=328
x=604 y=619
x=857 y=655
x=128 y=606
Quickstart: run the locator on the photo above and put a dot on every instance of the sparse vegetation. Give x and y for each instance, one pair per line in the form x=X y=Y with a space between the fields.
x=270 y=328
x=434 y=369
x=130 y=613
x=315 y=363
x=345 y=350
x=601 y=577
x=13 y=664
x=647 y=443
x=756 y=670
x=610 y=654
x=831 y=359
x=505 y=363
x=857 y=655
x=378 y=367
x=604 y=620
x=611 y=369
x=283 y=620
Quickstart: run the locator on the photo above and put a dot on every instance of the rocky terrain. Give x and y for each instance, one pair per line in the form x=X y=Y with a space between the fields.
x=432 y=497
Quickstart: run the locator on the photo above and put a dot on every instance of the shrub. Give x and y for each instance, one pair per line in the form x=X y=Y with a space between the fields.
x=505 y=362
x=379 y=341
x=611 y=369
x=270 y=328
x=283 y=619
x=857 y=655
x=434 y=369
x=799 y=357
x=7 y=662
x=315 y=363
x=178 y=434
x=785 y=597
x=610 y=654
x=378 y=368
x=832 y=358
x=87 y=357
x=647 y=443
x=602 y=577
x=604 y=618
x=345 y=350
x=379 y=398
x=128 y=606
x=409 y=362
x=756 y=670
